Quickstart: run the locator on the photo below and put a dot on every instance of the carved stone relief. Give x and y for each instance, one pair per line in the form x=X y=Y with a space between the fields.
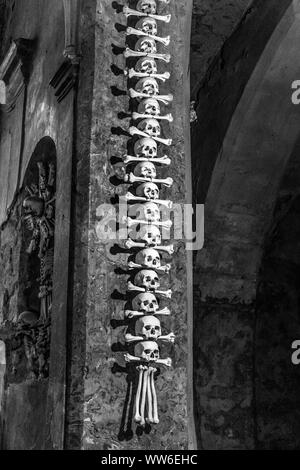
x=28 y=339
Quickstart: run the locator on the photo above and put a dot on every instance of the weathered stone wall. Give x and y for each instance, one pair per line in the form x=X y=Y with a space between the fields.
x=277 y=320
x=212 y=24
x=234 y=148
x=36 y=115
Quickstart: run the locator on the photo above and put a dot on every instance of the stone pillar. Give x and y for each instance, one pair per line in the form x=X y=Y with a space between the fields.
x=98 y=316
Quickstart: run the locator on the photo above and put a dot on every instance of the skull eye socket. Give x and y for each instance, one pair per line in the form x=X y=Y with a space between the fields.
x=146 y=302
x=157 y=328
x=148 y=327
x=148 y=351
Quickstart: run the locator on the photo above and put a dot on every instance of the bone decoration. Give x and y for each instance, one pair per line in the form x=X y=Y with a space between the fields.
x=130 y=12
x=145 y=218
x=129 y=159
x=136 y=32
x=148 y=328
x=153 y=55
x=132 y=73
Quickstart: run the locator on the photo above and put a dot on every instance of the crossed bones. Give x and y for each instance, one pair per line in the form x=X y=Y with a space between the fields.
x=146 y=409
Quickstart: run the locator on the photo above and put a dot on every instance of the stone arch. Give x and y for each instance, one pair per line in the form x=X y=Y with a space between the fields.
x=244 y=143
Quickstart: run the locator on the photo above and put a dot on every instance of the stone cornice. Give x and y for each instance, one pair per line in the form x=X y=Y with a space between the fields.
x=15 y=71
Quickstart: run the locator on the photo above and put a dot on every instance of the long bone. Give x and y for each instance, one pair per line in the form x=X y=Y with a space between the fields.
x=135 y=131
x=154 y=396
x=138 y=417
x=131 y=287
x=170 y=338
x=166 y=99
x=131 y=178
x=143 y=398
x=127 y=159
x=162 y=362
x=131 y=73
x=130 y=198
x=129 y=338
x=132 y=244
x=163 y=269
x=133 y=313
x=153 y=55
x=137 y=32
x=167 y=117
x=150 y=418
x=130 y=12
x=131 y=222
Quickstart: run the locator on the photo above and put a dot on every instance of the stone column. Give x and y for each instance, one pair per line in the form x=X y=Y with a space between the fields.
x=107 y=415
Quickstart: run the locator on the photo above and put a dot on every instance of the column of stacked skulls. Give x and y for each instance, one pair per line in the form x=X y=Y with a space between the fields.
x=141 y=170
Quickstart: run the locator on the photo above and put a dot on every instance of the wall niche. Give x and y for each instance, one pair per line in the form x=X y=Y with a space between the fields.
x=29 y=345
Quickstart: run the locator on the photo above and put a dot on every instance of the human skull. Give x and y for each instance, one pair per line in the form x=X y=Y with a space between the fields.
x=147 y=6
x=150 y=234
x=145 y=170
x=148 y=26
x=148 y=211
x=149 y=327
x=150 y=126
x=147 y=45
x=145 y=302
x=148 y=190
x=147 y=350
x=34 y=205
x=148 y=86
x=149 y=106
x=146 y=65
x=145 y=147
x=147 y=279
x=148 y=257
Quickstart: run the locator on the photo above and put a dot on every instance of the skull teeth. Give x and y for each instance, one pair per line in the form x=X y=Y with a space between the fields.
x=132 y=244
x=137 y=32
x=167 y=117
x=132 y=287
x=131 y=222
x=164 y=269
x=158 y=76
x=166 y=99
x=131 y=198
x=136 y=179
x=133 y=313
x=153 y=55
x=135 y=131
x=130 y=12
